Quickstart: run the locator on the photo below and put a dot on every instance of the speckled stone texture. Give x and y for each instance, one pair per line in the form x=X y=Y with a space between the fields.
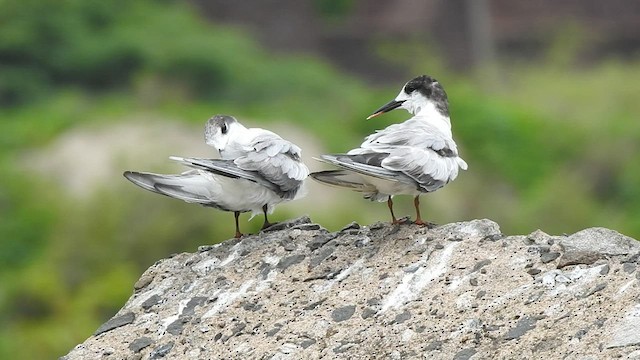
x=458 y=291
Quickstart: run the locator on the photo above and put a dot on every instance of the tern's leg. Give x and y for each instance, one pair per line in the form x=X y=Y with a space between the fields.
x=419 y=221
x=266 y=221
x=393 y=217
x=236 y=214
x=416 y=203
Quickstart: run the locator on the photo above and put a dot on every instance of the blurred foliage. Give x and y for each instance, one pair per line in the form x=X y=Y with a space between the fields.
x=549 y=146
x=333 y=9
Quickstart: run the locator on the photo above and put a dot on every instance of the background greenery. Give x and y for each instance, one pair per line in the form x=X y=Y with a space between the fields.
x=550 y=145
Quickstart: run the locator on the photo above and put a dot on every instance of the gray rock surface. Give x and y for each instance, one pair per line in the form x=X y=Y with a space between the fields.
x=458 y=291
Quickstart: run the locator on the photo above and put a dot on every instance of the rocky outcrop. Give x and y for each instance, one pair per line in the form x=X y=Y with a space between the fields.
x=458 y=291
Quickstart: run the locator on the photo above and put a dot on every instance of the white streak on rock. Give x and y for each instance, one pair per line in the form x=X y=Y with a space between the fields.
x=572 y=281
x=271 y=260
x=626 y=333
x=626 y=286
x=165 y=323
x=234 y=255
x=191 y=286
x=226 y=298
x=169 y=320
x=413 y=283
x=203 y=267
x=346 y=272
x=159 y=290
x=264 y=284
x=456 y=282
x=341 y=276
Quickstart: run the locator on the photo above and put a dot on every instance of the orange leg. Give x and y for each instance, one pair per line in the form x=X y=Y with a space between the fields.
x=416 y=203
x=394 y=221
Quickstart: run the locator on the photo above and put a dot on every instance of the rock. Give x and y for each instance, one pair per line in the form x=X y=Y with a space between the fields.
x=116 y=322
x=591 y=291
x=343 y=313
x=629 y=267
x=434 y=345
x=152 y=300
x=589 y=245
x=354 y=225
x=307 y=342
x=367 y=313
x=480 y=264
x=522 y=327
x=534 y=271
x=161 y=351
x=175 y=328
x=322 y=255
x=549 y=256
x=402 y=317
x=456 y=291
x=290 y=260
x=464 y=354
x=140 y=343
x=626 y=332
x=540 y=237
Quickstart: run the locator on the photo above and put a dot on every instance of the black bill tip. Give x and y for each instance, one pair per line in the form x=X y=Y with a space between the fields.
x=386 y=108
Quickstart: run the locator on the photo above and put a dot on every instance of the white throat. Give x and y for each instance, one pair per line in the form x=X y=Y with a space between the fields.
x=429 y=113
x=416 y=104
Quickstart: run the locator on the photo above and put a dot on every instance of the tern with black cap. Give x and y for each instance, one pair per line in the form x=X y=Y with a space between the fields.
x=414 y=157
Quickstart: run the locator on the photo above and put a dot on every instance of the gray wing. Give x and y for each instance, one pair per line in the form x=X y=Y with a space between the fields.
x=269 y=161
x=414 y=134
x=365 y=164
x=275 y=160
x=229 y=169
x=418 y=150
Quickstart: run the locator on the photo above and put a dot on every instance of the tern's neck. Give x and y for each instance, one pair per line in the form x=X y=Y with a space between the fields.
x=430 y=113
x=239 y=137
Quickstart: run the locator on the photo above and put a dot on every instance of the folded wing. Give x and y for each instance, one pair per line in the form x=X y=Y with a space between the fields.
x=269 y=161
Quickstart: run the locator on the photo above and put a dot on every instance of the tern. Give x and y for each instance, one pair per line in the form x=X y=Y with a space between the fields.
x=257 y=170
x=411 y=158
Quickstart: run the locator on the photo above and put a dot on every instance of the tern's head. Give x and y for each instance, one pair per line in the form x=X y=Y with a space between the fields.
x=417 y=95
x=219 y=129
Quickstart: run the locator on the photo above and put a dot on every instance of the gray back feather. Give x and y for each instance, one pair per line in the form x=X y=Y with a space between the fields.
x=276 y=160
x=417 y=149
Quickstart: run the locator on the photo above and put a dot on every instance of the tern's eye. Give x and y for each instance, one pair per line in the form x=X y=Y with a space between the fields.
x=224 y=128
x=409 y=88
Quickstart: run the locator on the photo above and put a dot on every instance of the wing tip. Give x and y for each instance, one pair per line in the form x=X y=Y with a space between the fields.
x=131 y=175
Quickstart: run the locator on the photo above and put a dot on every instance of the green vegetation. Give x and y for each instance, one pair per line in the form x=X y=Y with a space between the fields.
x=550 y=146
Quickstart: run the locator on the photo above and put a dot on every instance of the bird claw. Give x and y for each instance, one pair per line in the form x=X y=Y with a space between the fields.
x=266 y=226
x=401 y=221
x=428 y=224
